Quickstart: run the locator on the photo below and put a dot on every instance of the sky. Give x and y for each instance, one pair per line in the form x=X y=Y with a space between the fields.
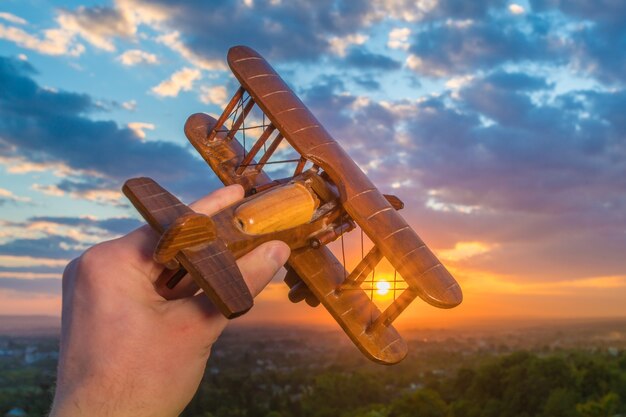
x=499 y=124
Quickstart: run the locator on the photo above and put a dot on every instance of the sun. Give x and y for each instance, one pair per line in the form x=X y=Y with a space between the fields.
x=382 y=287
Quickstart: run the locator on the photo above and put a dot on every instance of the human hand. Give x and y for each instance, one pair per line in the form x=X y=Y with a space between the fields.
x=127 y=350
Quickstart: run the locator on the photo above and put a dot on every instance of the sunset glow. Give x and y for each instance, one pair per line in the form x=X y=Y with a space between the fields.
x=382 y=287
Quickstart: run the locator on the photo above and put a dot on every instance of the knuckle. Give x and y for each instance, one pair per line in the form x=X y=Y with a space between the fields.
x=91 y=261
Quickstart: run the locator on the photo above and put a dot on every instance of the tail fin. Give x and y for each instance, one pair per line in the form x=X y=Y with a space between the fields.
x=190 y=240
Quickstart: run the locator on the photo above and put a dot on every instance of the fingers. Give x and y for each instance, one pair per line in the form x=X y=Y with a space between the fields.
x=138 y=246
x=218 y=199
x=257 y=267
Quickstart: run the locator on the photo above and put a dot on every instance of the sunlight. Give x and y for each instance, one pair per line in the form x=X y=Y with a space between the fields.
x=382 y=287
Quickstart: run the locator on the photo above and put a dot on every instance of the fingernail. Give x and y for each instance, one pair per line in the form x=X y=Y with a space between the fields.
x=277 y=253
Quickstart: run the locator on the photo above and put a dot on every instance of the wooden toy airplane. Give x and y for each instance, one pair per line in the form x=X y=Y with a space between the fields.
x=326 y=196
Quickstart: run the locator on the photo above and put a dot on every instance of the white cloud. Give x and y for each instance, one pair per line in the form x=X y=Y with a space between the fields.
x=7 y=195
x=456 y=83
x=140 y=12
x=29 y=275
x=465 y=250
x=404 y=10
x=86 y=234
x=516 y=9
x=97 y=25
x=139 y=127
x=53 y=42
x=103 y=196
x=12 y=18
x=20 y=165
x=51 y=190
x=459 y=24
x=415 y=63
x=29 y=261
x=213 y=95
x=398 y=38
x=180 y=80
x=338 y=45
x=172 y=40
x=130 y=105
x=136 y=56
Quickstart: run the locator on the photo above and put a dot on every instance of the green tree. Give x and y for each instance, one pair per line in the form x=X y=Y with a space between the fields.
x=421 y=403
x=606 y=406
x=561 y=403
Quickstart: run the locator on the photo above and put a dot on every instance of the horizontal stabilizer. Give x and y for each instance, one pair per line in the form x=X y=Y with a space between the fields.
x=189 y=240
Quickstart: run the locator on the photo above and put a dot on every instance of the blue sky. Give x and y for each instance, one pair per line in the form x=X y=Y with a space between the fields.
x=499 y=123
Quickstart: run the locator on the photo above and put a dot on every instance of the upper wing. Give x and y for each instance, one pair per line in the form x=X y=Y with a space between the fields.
x=399 y=243
x=210 y=264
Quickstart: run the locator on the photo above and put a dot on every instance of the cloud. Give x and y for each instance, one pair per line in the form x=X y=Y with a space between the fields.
x=12 y=18
x=39 y=247
x=294 y=30
x=339 y=45
x=398 y=38
x=180 y=80
x=596 y=47
x=214 y=95
x=21 y=165
x=32 y=286
x=8 y=196
x=50 y=247
x=135 y=56
x=174 y=42
x=139 y=127
x=130 y=105
x=362 y=59
x=516 y=9
x=53 y=127
x=113 y=225
x=97 y=25
x=412 y=11
x=30 y=262
x=447 y=49
x=53 y=42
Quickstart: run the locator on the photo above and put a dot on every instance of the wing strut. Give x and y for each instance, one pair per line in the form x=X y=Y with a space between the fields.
x=226 y=113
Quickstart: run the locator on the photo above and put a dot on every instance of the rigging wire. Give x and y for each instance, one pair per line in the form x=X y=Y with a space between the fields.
x=343 y=255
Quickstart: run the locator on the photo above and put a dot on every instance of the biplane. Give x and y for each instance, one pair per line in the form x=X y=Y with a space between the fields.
x=325 y=196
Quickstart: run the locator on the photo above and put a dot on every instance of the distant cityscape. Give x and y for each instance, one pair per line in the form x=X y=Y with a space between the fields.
x=280 y=368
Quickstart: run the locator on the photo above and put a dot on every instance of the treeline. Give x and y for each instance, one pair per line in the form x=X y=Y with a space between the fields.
x=522 y=384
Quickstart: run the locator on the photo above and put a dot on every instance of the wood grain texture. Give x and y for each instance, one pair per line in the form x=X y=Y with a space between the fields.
x=187 y=231
x=279 y=209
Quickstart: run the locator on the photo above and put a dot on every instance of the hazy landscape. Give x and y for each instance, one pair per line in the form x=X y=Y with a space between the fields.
x=522 y=368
